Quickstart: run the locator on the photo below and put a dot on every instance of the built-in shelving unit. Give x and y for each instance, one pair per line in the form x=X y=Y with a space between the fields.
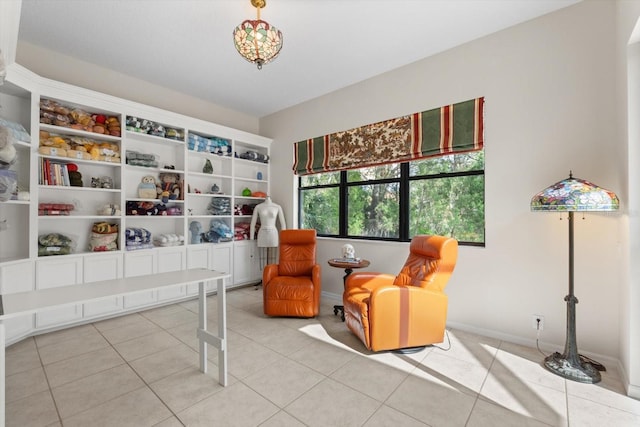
x=211 y=175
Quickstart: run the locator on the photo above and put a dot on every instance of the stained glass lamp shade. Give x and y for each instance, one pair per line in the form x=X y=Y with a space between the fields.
x=573 y=195
x=257 y=41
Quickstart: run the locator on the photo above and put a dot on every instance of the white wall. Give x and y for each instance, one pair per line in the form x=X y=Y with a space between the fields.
x=629 y=97
x=550 y=107
x=55 y=66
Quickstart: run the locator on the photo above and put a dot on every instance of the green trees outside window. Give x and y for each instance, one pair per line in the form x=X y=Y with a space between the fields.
x=440 y=195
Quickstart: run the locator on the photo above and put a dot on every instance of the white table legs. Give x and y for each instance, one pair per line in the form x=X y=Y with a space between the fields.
x=2 y=374
x=206 y=337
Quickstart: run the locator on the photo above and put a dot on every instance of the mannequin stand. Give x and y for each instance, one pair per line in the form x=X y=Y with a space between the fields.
x=268 y=255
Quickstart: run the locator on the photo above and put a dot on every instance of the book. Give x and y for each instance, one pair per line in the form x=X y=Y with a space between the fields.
x=348 y=260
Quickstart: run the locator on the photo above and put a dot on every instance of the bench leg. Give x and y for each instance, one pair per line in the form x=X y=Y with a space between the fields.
x=202 y=324
x=205 y=337
x=222 y=332
x=3 y=373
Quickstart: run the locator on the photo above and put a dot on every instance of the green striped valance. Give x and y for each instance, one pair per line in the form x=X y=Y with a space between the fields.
x=450 y=129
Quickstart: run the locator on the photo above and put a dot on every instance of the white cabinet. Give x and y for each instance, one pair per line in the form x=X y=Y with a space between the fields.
x=52 y=273
x=215 y=256
x=103 y=267
x=139 y=263
x=17 y=276
x=171 y=259
x=246 y=265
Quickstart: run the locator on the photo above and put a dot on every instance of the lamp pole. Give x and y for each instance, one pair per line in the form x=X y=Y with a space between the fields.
x=568 y=364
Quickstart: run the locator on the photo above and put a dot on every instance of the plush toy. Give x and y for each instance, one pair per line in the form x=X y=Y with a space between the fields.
x=147 y=188
x=7 y=150
x=169 y=187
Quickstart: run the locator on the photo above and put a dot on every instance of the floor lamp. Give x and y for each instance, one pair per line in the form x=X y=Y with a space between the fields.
x=573 y=195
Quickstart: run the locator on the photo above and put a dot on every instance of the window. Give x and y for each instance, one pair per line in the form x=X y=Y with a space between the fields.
x=439 y=195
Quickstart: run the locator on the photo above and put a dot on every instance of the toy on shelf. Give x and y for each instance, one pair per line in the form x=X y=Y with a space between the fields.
x=169 y=187
x=147 y=189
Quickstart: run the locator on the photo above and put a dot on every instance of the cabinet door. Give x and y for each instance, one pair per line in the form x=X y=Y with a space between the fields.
x=52 y=273
x=105 y=266
x=17 y=277
x=171 y=259
x=139 y=263
x=198 y=256
x=223 y=262
x=245 y=263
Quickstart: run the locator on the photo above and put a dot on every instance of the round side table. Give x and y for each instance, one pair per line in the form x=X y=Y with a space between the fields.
x=348 y=266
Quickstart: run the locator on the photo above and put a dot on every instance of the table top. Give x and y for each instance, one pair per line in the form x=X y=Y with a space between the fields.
x=26 y=302
x=336 y=262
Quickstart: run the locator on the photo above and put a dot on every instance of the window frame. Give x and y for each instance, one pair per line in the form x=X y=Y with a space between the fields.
x=403 y=180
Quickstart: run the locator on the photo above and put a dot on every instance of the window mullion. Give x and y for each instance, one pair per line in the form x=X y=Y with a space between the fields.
x=344 y=194
x=404 y=202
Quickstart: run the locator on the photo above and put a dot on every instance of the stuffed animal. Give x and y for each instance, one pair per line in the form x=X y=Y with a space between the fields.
x=7 y=150
x=169 y=187
x=147 y=188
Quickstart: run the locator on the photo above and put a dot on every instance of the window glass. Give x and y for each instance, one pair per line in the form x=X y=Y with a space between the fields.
x=448 y=164
x=320 y=179
x=320 y=210
x=448 y=206
x=373 y=210
x=439 y=195
x=374 y=173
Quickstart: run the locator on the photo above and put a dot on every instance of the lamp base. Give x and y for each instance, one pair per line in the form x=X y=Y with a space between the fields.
x=582 y=372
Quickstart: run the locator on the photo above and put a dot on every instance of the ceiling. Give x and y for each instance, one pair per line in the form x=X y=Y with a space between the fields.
x=187 y=45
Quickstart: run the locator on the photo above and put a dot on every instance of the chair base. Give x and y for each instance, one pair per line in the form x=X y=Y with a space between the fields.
x=339 y=309
x=410 y=350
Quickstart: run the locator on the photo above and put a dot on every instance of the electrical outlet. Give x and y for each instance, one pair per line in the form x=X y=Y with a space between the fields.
x=537 y=322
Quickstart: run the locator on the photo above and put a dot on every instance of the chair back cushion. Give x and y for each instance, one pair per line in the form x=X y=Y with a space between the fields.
x=297 y=252
x=430 y=262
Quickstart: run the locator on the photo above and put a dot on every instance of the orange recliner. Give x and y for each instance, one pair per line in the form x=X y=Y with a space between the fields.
x=292 y=287
x=409 y=310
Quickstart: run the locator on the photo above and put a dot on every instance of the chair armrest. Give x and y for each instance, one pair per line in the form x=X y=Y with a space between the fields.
x=368 y=280
x=315 y=275
x=269 y=272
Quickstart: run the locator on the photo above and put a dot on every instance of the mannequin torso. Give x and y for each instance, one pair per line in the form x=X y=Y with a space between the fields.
x=269 y=213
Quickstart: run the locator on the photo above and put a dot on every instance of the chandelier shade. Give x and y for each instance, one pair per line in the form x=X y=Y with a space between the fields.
x=257 y=41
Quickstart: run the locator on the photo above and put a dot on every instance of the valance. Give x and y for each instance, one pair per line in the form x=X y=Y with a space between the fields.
x=455 y=128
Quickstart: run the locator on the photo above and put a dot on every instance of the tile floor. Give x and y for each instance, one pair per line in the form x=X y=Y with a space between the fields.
x=142 y=370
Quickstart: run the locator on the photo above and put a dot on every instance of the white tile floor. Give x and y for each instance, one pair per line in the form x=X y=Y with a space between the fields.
x=142 y=370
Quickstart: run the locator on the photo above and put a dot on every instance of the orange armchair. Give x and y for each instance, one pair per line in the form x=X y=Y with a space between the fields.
x=408 y=310
x=292 y=287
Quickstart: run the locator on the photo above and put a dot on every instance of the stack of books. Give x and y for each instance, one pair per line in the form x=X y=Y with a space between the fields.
x=347 y=260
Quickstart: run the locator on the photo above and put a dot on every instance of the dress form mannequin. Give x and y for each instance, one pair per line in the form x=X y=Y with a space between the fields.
x=269 y=213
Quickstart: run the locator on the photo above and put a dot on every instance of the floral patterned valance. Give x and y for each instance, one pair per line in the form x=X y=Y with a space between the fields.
x=450 y=129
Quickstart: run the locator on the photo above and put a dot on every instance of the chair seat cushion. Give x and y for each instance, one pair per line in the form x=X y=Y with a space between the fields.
x=290 y=288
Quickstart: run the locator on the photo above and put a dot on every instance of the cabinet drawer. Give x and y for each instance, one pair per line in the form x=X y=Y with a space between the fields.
x=58 y=271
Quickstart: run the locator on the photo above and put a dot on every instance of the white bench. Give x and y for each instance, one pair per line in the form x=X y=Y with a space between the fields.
x=29 y=302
